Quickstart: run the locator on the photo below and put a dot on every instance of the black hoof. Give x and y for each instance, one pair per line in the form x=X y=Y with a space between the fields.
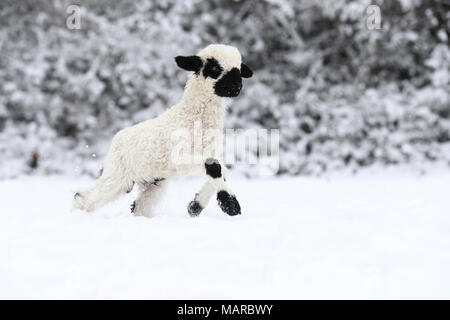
x=228 y=203
x=194 y=208
x=133 y=206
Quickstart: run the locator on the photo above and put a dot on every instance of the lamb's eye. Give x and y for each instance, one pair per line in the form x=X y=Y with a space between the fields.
x=215 y=71
x=212 y=69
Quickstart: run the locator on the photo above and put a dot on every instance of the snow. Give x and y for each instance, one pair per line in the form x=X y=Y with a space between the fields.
x=364 y=236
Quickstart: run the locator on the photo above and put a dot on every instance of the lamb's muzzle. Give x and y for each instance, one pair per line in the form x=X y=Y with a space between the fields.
x=230 y=84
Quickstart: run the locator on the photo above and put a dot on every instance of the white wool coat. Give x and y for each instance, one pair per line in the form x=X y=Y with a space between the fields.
x=145 y=151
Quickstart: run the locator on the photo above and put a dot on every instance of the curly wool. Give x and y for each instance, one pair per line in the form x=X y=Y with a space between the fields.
x=144 y=152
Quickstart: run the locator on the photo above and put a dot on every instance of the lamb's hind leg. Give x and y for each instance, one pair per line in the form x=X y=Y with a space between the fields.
x=150 y=195
x=105 y=189
x=216 y=182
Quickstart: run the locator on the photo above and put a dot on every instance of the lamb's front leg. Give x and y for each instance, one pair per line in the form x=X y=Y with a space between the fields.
x=216 y=183
x=202 y=198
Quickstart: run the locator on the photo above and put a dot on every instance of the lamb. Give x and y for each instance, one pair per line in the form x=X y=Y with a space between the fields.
x=148 y=153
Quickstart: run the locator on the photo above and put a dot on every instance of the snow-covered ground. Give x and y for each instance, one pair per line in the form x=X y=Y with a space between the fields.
x=365 y=236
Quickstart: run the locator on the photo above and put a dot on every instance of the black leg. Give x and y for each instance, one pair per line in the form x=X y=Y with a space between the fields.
x=213 y=168
x=227 y=201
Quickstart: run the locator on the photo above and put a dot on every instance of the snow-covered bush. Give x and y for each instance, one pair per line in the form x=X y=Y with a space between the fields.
x=341 y=95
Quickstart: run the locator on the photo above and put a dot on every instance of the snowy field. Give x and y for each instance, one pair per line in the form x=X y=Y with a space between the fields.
x=364 y=236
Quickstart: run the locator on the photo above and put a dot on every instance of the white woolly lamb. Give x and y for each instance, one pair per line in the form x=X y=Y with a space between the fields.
x=148 y=153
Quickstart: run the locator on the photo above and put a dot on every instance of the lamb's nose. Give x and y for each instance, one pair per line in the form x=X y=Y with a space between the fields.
x=237 y=86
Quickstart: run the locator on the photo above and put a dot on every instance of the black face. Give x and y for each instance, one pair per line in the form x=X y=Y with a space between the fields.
x=230 y=84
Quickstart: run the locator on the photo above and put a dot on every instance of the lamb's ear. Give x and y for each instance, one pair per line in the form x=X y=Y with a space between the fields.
x=246 y=72
x=190 y=63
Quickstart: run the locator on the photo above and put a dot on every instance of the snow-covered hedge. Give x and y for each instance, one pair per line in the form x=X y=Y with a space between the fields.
x=342 y=95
